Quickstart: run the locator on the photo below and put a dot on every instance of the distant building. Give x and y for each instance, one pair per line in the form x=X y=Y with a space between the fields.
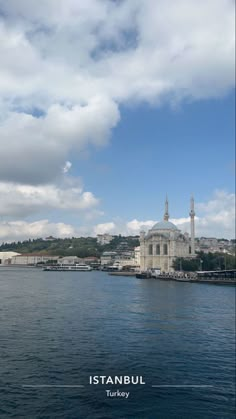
x=165 y=242
x=32 y=259
x=91 y=259
x=6 y=257
x=108 y=257
x=121 y=258
x=123 y=246
x=125 y=261
x=69 y=260
x=213 y=245
x=103 y=239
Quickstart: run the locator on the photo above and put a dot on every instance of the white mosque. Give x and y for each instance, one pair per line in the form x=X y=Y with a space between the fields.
x=164 y=243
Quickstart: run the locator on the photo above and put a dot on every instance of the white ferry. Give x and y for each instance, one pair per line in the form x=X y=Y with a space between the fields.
x=78 y=267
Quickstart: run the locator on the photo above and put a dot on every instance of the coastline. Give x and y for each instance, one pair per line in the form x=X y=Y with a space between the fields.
x=219 y=281
x=215 y=281
x=173 y=278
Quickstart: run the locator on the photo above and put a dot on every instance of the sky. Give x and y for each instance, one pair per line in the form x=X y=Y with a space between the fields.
x=109 y=106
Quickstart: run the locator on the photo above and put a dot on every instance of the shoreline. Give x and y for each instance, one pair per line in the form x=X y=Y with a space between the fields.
x=215 y=281
x=218 y=281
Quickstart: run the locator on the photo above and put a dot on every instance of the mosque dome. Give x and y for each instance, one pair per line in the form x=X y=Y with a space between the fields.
x=164 y=225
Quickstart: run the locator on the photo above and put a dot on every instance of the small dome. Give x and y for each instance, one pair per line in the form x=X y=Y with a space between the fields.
x=164 y=225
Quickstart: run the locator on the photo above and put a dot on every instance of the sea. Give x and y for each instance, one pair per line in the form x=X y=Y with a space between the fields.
x=58 y=329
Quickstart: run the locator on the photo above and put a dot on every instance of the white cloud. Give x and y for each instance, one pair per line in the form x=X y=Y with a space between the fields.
x=23 y=200
x=67 y=67
x=22 y=230
x=76 y=61
x=33 y=149
x=105 y=228
x=67 y=167
x=135 y=226
x=217 y=216
x=103 y=47
x=214 y=218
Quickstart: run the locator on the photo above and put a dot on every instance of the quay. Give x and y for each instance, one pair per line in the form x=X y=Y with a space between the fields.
x=227 y=277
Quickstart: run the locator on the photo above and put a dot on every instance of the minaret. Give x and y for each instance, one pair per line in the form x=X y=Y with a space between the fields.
x=192 y=215
x=166 y=215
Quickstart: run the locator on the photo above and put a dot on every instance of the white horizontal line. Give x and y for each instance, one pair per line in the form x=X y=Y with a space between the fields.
x=182 y=385
x=50 y=385
x=81 y=386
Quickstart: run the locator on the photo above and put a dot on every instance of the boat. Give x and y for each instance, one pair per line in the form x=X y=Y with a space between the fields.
x=112 y=268
x=149 y=273
x=143 y=275
x=81 y=267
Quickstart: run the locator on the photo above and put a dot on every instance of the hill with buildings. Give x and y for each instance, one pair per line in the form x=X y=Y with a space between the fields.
x=211 y=253
x=80 y=246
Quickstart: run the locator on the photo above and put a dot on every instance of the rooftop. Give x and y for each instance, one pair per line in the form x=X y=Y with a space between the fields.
x=164 y=225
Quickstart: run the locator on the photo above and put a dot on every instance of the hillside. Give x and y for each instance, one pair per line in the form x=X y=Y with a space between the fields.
x=81 y=246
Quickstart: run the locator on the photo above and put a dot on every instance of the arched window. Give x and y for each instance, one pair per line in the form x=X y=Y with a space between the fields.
x=165 y=249
x=158 y=249
x=150 y=249
x=189 y=249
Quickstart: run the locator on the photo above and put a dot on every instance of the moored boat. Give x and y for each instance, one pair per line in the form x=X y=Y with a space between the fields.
x=81 y=267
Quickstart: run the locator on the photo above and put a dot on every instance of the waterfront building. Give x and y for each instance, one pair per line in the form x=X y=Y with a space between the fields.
x=125 y=261
x=122 y=258
x=6 y=257
x=164 y=242
x=107 y=258
x=33 y=259
x=69 y=260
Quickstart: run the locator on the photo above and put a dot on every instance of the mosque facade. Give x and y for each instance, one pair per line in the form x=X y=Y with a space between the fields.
x=164 y=242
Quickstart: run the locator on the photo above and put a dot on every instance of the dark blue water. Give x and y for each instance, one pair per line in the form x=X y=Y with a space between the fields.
x=59 y=328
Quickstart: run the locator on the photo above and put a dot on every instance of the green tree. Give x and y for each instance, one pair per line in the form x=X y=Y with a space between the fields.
x=205 y=262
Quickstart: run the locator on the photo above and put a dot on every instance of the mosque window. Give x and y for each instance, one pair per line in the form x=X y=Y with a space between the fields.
x=165 y=249
x=150 y=249
x=158 y=250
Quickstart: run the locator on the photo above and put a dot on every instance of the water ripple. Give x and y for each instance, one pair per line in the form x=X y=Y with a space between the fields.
x=59 y=329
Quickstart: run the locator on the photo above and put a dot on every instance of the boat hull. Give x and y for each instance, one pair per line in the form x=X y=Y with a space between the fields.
x=75 y=268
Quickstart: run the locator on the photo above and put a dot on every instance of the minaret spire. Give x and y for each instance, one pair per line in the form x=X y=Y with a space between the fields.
x=166 y=215
x=192 y=215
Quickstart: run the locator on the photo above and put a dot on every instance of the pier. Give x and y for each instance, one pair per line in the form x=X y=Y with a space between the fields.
x=226 y=277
